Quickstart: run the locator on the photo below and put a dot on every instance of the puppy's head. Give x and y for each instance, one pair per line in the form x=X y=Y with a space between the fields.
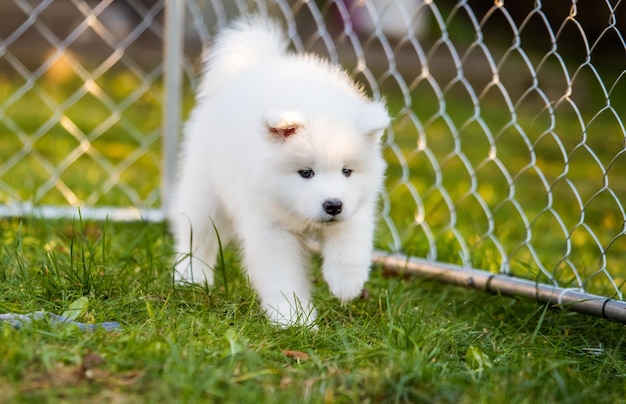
x=325 y=168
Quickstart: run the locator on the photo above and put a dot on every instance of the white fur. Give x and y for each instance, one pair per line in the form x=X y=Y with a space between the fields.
x=262 y=115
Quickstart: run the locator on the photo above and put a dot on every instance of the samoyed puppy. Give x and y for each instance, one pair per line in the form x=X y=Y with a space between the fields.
x=280 y=148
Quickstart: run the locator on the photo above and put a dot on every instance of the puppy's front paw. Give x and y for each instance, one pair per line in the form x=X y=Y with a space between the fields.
x=289 y=315
x=346 y=284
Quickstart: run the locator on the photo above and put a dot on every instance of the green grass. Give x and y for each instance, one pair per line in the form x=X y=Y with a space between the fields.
x=408 y=340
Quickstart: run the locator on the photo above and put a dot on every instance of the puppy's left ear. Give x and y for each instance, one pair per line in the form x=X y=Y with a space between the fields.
x=373 y=120
x=282 y=125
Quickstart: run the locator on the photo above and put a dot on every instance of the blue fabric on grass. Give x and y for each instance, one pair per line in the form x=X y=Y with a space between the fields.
x=19 y=320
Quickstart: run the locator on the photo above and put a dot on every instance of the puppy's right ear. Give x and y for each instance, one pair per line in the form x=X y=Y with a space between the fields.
x=373 y=120
x=284 y=124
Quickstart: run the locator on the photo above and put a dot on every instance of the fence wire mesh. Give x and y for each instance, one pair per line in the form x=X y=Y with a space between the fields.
x=507 y=152
x=80 y=104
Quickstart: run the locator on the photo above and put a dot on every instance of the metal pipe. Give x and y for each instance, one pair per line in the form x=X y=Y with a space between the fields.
x=505 y=285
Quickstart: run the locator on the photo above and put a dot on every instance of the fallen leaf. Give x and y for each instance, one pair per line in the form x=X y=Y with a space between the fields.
x=77 y=309
x=297 y=355
x=92 y=360
x=477 y=359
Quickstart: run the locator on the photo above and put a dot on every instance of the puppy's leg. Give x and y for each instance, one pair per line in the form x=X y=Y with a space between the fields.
x=276 y=265
x=347 y=253
x=197 y=227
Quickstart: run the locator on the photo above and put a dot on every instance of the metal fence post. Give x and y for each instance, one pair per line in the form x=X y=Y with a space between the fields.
x=174 y=27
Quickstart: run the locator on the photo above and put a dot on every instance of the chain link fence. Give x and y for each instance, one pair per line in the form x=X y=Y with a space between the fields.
x=80 y=107
x=507 y=152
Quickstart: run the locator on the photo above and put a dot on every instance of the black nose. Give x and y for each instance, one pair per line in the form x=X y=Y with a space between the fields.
x=332 y=206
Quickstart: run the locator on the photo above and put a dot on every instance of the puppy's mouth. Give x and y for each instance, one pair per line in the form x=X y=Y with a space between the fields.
x=329 y=220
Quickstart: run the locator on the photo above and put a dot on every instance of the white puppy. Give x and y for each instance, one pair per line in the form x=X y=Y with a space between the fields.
x=279 y=148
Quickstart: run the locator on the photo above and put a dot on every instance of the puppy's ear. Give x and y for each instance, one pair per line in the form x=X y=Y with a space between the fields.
x=283 y=131
x=284 y=124
x=373 y=120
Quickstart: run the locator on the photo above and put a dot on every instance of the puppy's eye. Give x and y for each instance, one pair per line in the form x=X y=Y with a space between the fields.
x=306 y=173
x=346 y=171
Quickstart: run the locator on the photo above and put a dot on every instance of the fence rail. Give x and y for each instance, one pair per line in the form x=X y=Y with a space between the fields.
x=507 y=152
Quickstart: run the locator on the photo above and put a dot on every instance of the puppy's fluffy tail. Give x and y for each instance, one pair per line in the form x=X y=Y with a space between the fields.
x=247 y=41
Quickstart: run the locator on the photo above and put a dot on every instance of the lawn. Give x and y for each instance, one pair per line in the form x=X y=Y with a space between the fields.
x=406 y=340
